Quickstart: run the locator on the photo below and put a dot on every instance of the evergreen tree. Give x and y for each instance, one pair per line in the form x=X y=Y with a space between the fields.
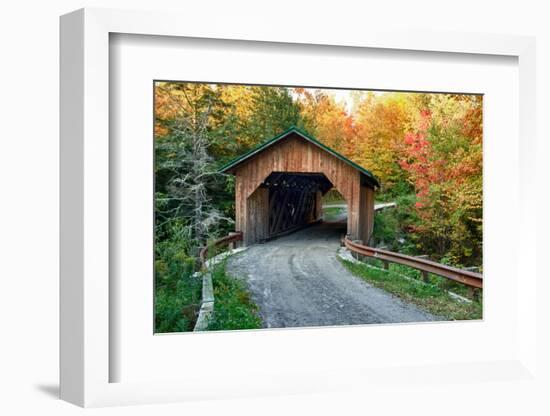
x=273 y=111
x=185 y=169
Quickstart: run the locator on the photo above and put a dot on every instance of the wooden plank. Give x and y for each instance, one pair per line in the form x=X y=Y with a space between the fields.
x=298 y=216
x=296 y=155
x=258 y=216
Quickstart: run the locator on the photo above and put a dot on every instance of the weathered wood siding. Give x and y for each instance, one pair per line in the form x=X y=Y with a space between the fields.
x=366 y=214
x=257 y=220
x=295 y=154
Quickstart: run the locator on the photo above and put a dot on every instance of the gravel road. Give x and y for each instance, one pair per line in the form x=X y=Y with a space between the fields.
x=297 y=281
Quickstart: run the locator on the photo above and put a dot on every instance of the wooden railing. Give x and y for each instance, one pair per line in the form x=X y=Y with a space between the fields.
x=229 y=239
x=474 y=280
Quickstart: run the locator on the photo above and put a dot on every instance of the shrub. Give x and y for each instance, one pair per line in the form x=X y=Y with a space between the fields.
x=177 y=291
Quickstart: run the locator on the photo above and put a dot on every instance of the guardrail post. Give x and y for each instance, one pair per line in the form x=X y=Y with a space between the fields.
x=425 y=276
x=357 y=255
x=234 y=244
x=421 y=263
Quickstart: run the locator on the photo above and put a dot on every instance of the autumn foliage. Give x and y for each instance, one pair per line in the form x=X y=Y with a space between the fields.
x=425 y=148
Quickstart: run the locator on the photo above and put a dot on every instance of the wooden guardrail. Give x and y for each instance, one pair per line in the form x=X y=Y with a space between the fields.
x=474 y=280
x=228 y=239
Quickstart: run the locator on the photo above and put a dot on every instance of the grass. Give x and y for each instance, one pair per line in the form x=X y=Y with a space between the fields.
x=431 y=297
x=332 y=213
x=233 y=307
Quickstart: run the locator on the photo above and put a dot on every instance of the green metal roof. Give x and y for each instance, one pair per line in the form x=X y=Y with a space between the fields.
x=242 y=158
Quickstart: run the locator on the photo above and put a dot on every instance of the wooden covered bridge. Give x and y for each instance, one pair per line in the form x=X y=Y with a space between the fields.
x=280 y=183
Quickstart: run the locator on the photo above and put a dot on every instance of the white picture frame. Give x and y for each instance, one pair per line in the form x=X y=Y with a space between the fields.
x=85 y=219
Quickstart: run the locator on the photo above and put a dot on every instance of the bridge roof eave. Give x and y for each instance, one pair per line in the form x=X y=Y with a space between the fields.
x=232 y=165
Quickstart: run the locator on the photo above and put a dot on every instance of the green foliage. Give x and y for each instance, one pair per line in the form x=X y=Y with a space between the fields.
x=392 y=225
x=386 y=229
x=176 y=309
x=177 y=292
x=333 y=197
x=399 y=189
x=332 y=213
x=273 y=111
x=430 y=297
x=233 y=307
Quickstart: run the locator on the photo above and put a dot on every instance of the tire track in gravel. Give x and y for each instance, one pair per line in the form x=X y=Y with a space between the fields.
x=297 y=281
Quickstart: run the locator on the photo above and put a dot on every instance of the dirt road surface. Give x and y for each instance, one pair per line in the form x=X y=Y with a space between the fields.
x=297 y=281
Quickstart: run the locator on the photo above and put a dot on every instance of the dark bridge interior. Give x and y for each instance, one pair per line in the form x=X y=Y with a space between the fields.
x=294 y=200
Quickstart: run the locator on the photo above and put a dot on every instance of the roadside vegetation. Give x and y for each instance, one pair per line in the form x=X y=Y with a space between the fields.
x=233 y=307
x=406 y=283
x=177 y=291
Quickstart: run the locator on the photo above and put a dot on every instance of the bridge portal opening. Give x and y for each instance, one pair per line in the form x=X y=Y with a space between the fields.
x=294 y=200
x=334 y=207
